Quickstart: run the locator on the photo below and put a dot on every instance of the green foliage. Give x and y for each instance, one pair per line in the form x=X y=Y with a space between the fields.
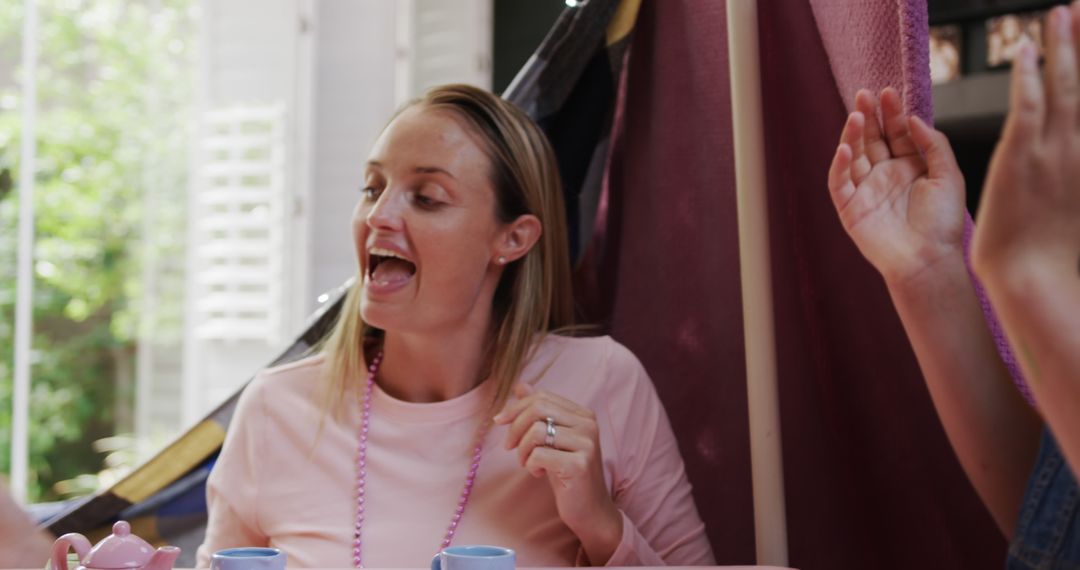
x=114 y=90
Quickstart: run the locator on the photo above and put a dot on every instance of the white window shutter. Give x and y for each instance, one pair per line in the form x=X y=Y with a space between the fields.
x=239 y=226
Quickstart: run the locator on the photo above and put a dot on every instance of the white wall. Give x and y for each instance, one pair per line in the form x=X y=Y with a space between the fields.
x=353 y=97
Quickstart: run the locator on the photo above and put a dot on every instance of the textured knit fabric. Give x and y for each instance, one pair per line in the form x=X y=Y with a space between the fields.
x=286 y=475
x=863 y=40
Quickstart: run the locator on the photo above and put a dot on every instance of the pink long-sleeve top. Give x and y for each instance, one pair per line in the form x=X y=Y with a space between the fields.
x=282 y=481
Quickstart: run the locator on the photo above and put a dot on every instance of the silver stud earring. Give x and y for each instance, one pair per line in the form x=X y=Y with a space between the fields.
x=502 y=260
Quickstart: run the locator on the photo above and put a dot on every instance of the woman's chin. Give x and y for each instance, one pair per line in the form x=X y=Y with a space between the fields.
x=382 y=315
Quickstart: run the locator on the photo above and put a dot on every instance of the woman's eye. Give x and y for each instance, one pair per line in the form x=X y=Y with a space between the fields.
x=425 y=201
x=370 y=193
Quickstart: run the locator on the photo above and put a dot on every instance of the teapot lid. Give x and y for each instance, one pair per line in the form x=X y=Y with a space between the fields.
x=121 y=549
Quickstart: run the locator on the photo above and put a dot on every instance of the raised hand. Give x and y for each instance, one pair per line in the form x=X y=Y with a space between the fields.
x=897 y=189
x=1027 y=236
x=1029 y=220
x=900 y=197
x=570 y=460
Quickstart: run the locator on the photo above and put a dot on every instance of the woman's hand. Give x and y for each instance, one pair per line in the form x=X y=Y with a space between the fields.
x=1027 y=241
x=573 y=465
x=22 y=543
x=1029 y=220
x=897 y=189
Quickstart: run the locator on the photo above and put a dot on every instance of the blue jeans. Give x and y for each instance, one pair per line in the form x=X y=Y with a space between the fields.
x=1048 y=533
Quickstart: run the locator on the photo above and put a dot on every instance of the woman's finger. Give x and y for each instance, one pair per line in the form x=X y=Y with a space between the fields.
x=564 y=467
x=934 y=145
x=841 y=188
x=561 y=401
x=859 y=167
x=1027 y=106
x=873 y=146
x=511 y=410
x=1062 y=84
x=896 y=124
x=538 y=411
x=566 y=439
x=853 y=136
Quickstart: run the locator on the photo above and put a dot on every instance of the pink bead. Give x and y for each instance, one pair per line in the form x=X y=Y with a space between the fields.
x=361 y=470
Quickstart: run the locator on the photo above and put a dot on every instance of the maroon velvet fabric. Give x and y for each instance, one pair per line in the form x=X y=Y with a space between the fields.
x=870 y=479
x=673 y=274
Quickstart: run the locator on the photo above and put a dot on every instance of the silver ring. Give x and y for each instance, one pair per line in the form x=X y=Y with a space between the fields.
x=549 y=439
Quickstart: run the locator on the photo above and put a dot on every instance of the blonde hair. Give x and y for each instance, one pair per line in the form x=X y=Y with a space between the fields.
x=534 y=294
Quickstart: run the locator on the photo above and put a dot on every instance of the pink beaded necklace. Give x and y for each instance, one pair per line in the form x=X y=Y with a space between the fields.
x=361 y=470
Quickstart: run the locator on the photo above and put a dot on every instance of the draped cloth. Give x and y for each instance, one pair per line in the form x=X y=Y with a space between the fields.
x=870 y=479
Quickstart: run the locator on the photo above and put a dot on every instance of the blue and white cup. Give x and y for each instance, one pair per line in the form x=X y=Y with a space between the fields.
x=474 y=558
x=248 y=558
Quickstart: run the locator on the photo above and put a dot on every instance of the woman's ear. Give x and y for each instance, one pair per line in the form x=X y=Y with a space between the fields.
x=517 y=238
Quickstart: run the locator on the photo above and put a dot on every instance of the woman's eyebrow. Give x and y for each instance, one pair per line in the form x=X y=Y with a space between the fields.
x=419 y=169
x=433 y=170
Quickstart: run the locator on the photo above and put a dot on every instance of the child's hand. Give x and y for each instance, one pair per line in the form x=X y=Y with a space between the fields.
x=1029 y=221
x=898 y=190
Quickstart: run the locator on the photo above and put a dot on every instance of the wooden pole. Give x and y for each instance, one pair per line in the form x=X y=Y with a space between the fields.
x=770 y=525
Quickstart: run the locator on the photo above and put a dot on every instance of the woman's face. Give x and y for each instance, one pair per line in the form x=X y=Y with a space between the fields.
x=425 y=230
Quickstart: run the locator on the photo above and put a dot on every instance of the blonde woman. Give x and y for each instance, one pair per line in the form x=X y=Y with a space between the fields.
x=387 y=447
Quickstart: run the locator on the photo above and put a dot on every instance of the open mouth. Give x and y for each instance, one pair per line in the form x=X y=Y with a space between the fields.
x=386 y=267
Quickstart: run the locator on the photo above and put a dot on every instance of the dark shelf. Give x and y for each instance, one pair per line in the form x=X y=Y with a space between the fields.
x=961 y=11
x=972 y=99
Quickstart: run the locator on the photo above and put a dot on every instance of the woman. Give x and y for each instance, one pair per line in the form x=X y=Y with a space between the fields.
x=386 y=446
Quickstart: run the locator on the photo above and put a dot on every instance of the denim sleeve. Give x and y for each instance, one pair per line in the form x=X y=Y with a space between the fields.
x=1048 y=534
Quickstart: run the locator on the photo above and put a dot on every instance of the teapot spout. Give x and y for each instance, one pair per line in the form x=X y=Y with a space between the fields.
x=163 y=558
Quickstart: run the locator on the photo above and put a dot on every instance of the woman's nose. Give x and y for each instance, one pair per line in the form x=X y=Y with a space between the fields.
x=386 y=213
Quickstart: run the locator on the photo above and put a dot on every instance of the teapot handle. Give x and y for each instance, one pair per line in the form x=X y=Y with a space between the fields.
x=63 y=544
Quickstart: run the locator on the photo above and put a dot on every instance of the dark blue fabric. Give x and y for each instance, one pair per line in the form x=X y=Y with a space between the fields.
x=1048 y=533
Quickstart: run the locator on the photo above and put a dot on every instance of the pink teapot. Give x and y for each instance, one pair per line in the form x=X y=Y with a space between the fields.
x=120 y=550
